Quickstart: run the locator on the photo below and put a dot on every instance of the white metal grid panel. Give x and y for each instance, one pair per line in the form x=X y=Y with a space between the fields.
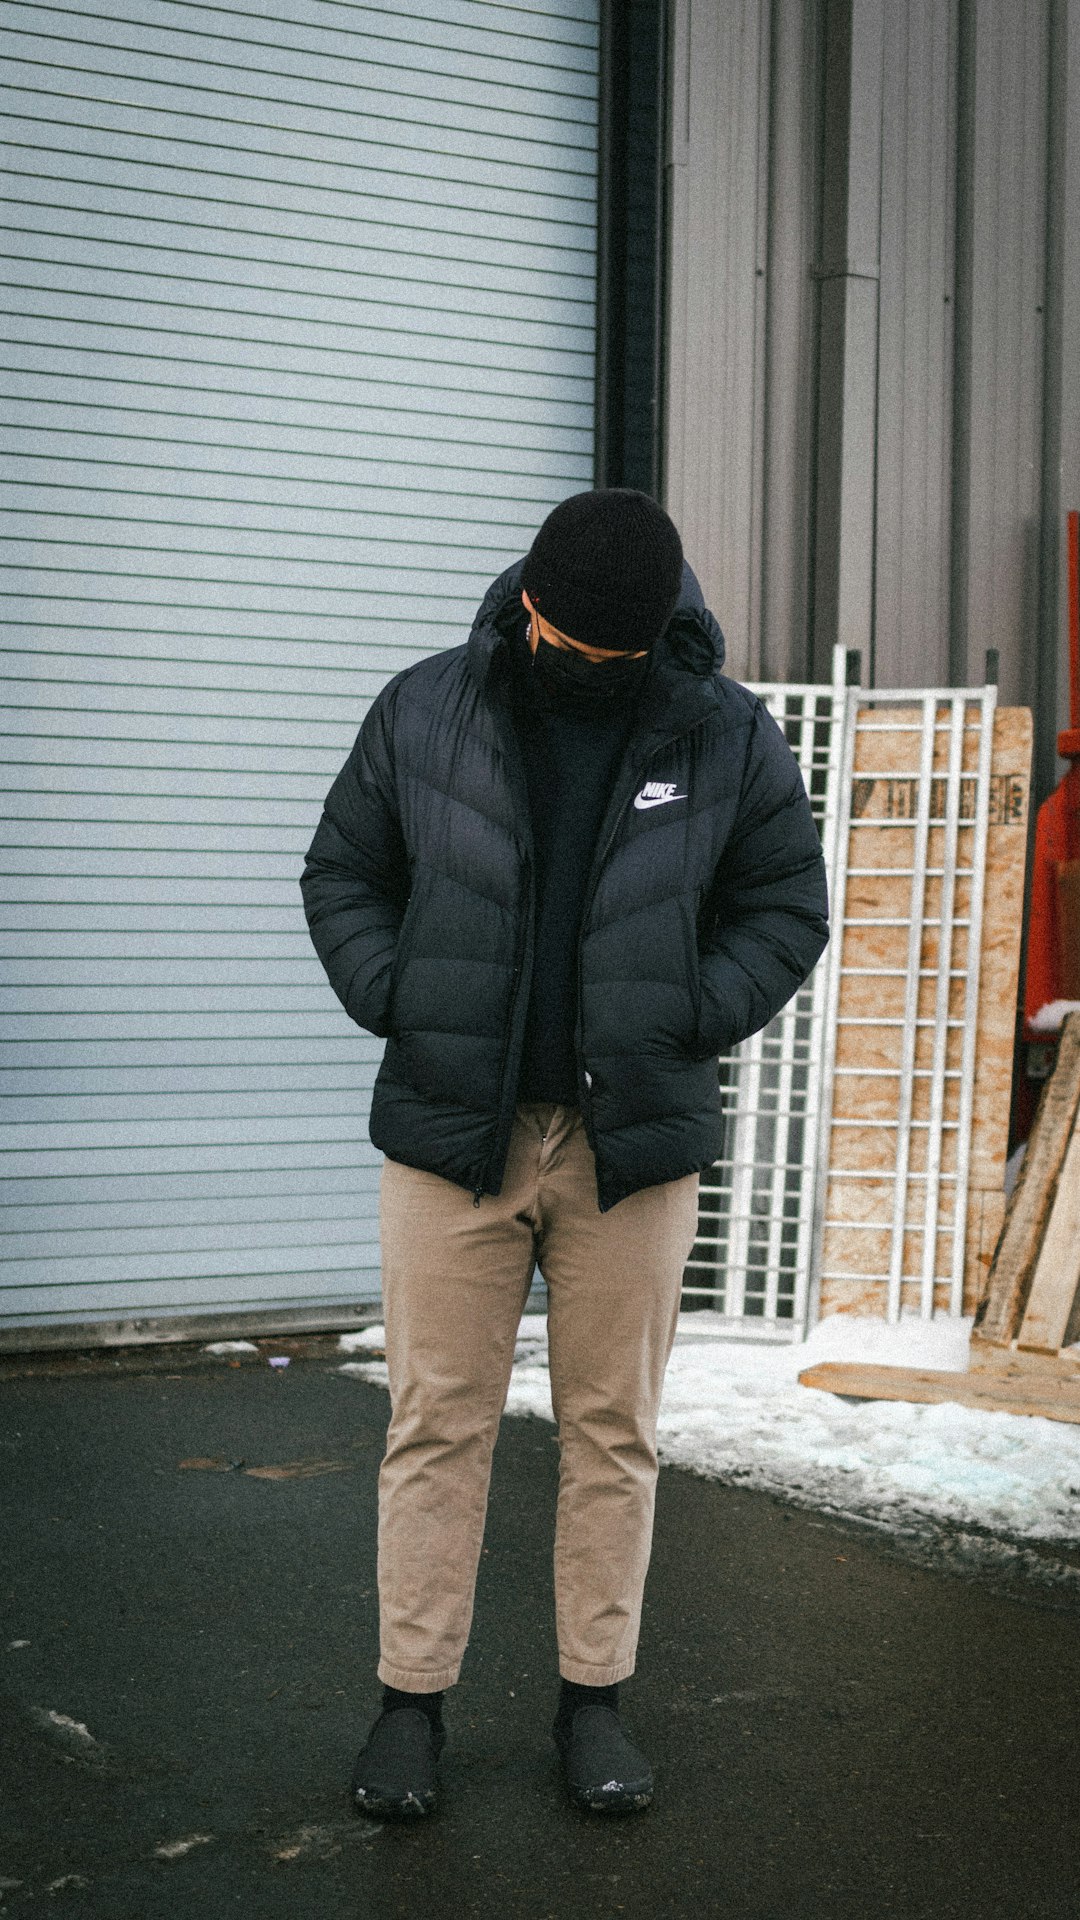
x=911 y=872
x=767 y=1235
x=751 y=1261
x=298 y=334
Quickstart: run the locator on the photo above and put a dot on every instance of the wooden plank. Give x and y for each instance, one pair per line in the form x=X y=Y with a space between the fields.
x=999 y=1311
x=1013 y=1365
x=1049 y=1397
x=1057 y=1269
x=999 y=965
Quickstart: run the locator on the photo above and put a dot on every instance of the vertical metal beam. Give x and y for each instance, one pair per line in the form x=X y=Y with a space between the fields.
x=676 y=281
x=847 y=375
x=610 y=245
x=629 y=243
x=914 y=398
x=789 y=321
x=715 y=360
x=755 y=427
x=660 y=247
x=1061 y=411
x=1000 y=338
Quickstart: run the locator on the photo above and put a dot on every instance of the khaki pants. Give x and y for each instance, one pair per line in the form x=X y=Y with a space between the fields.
x=455 y=1281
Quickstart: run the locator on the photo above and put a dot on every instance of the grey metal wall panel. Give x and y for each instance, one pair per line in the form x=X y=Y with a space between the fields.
x=1061 y=412
x=792 y=243
x=915 y=451
x=848 y=328
x=299 y=351
x=915 y=335
x=718 y=156
x=1002 y=287
x=743 y=169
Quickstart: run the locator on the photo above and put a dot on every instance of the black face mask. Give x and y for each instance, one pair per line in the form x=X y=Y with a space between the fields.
x=573 y=682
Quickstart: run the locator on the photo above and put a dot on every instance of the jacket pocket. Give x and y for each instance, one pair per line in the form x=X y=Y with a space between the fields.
x=392 y=986
x=710 y=1022
x=398 y=964
x=714 y=1024
x=687 y=1025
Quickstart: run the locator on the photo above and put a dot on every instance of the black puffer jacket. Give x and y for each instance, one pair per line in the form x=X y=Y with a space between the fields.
x=707 y=906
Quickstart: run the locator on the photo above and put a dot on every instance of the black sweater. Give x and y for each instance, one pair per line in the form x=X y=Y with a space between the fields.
x=571 y=761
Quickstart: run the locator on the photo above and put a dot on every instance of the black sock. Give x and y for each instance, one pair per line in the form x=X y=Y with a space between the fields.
x=572 y=1696
x=429 y=1703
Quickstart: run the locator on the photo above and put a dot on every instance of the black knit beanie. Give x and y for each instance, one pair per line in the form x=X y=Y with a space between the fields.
x=606 y=568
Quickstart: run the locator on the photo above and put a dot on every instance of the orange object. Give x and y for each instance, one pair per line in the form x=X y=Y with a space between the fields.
x=1053 y=955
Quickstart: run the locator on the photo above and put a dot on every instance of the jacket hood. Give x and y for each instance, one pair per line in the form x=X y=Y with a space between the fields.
x=692 y=641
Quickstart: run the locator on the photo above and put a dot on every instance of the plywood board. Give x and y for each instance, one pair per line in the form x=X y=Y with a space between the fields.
x=999 y=976
x=985 y=1221
x=1043 y=1394
x=870 y=1033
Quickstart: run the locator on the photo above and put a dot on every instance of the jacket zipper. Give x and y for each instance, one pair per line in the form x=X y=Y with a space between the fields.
x=501 y=1141
x=499 y=1144
x=584 y=1077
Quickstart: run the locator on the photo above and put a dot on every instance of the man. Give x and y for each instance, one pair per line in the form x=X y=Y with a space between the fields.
x=564 y=867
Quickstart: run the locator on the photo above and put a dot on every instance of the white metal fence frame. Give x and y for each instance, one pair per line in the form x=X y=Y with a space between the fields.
x=758 y=1257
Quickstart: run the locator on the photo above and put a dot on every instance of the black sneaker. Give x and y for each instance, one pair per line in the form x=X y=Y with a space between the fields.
x=394 y=1775
x=605 y=1772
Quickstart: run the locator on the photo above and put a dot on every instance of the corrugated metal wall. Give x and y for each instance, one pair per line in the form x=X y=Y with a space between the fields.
x=1005 y=209
x=914 y=411
x=299 y=336
x=887 y=384
x=716 y=307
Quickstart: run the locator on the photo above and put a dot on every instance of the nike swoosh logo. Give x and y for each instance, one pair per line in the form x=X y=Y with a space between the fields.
x=659 y=800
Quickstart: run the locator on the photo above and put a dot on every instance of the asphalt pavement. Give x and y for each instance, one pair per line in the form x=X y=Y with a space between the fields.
x=188 y=1671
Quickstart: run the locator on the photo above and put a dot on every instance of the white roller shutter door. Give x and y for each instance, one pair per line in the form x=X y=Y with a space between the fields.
x=298 y=335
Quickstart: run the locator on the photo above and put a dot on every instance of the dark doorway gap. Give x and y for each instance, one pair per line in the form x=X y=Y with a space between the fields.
x=630 y=244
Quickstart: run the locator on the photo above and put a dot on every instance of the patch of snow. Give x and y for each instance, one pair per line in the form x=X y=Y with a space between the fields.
x=75 y=1732
x=362 y=1339
x=319 y=1843
x=531 y=1345
x=175 y=1849
x=1051 y=1017
x=733 y=1409
x=231 y=1346
x=73 y=1736
x=376 y=1371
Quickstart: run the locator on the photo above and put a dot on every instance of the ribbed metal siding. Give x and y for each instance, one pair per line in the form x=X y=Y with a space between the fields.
x=1002 y=294
x=718 y=158
x=910 y=450
x=743 y=166
x=299 y=331
x=915 y=347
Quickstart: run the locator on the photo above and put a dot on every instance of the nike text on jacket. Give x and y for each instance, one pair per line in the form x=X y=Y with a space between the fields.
x=706 y=910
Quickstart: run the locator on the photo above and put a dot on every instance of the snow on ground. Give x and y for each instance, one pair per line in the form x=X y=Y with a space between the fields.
x=733 y=1409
